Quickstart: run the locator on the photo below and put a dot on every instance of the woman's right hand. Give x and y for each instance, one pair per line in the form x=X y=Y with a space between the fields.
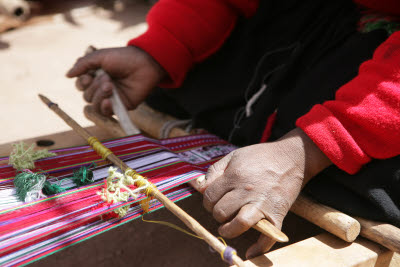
x=131 y=70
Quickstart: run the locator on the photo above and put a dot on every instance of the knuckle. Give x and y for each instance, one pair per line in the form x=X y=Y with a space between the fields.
x=211 y=171
x=243 y=222
x=207 y=202
x=87 y=96
x=219 y=214
x=78 y=84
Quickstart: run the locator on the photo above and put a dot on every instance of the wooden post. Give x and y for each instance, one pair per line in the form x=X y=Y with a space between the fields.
x=329 y=219
x=382 y=233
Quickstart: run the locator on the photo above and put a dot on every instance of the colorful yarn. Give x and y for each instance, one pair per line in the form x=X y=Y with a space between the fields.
x=29 y=185
x=99 y=147
x=30 y=231
x=84 y=176
x=24 y=157
x=50 y=189
x=228 y=253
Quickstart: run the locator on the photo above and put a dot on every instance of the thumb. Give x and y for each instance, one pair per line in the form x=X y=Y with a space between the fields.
x=215 y=171
x=92 y=61
x=263 y=244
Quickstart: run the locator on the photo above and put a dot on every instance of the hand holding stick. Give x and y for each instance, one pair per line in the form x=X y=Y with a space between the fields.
x=227 y=253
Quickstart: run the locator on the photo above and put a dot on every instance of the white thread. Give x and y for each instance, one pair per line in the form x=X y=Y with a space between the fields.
x=254 y=99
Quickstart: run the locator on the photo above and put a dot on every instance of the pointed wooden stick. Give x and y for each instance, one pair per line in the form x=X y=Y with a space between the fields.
x=146 y=118
x=190 y=222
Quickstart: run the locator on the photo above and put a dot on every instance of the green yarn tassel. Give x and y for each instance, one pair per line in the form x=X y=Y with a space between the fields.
x=23 y=157
x=84 y=175
x=52 y=189
x=29 y=185
x=32 y=186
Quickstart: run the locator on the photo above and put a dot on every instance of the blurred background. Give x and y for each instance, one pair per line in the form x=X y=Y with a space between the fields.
x=40 y=41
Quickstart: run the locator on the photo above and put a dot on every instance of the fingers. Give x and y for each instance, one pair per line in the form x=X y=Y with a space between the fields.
x=227 y=207
x=83 y=82
x=214 y=192
x=101 y=87
x=106 y=107
x=90 y=91
x=216 y=170
x=262 y=245
x=104 y=92
x=248 y=216
x=91 y=61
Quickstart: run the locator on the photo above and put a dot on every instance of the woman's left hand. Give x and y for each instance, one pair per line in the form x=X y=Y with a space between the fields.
x=260 y=182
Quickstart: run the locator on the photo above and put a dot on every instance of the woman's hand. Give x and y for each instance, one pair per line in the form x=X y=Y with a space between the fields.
x=260 y=181
x=131 y=70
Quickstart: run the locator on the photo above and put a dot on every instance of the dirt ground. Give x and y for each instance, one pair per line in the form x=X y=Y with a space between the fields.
x=34 y=59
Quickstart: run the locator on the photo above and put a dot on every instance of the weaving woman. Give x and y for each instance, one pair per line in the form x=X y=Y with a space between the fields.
x=297 y=74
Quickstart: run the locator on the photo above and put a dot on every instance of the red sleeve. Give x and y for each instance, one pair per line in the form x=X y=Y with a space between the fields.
x=384 y=6
x=183 y=32
x=363 y=121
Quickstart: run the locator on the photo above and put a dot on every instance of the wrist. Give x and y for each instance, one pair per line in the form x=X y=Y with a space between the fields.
x=161 y=73
x=304 y=153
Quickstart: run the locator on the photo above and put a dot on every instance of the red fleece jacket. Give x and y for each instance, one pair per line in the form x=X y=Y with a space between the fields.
x=363 y=121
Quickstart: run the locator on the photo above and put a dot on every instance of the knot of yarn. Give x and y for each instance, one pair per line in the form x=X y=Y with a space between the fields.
x=117 y=189
x=227 y=254
x=29 y=185
x=84 y=175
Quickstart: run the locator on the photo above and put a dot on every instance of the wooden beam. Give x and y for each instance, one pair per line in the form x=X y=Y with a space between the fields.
x=329 y=219
x=328 y=251
x=382 y=233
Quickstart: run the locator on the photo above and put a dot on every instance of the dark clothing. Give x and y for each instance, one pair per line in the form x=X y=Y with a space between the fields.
x=303 y=51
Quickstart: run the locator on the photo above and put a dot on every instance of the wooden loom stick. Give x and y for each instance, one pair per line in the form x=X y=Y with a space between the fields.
x=143 y=112
x=382 y=233
x=329 y=219
x=190 y=222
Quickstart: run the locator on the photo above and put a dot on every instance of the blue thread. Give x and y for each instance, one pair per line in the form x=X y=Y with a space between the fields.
x=228 y=254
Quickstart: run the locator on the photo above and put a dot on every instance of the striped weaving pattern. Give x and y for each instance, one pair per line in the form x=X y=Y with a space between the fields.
x=31 y=231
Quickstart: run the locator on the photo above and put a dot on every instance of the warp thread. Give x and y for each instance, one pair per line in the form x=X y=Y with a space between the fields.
x=24 y=157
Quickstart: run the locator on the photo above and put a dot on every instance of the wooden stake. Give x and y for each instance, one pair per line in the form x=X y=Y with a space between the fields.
x=333 y=221
x=382 y=233
x=190 y=222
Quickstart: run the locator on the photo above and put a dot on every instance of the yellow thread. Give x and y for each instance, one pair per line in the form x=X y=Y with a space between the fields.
x=222 y=252
x=99 y=147
x=173 y=226
x=140 y=181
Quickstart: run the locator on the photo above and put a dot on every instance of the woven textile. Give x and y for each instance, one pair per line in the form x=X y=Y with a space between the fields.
x=30 y=231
